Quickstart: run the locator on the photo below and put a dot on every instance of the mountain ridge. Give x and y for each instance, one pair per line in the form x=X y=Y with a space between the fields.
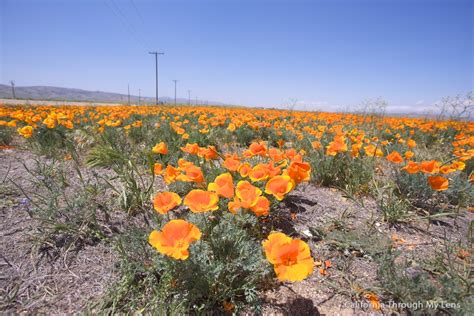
x=73 y=94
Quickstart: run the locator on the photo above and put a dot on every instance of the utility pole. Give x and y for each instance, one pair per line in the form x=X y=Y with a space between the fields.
x=13 y=88
x=128 y=88
x=189 y=97
x=196 y=103
x=156 y=72
x=175 y=82
x=139 y=96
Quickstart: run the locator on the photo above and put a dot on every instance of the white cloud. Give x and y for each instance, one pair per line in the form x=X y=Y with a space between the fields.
x=309 y=105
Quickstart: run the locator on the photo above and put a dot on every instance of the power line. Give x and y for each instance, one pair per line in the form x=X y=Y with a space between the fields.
x=131 y=24
x=138 y=12
x=128 y=25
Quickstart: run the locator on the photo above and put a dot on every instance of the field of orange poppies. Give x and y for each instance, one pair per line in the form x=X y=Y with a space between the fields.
x=161 y=209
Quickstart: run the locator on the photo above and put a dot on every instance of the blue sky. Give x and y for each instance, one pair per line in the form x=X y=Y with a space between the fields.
x=321 y=54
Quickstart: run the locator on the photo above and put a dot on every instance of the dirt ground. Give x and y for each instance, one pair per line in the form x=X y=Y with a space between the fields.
x=33 y=282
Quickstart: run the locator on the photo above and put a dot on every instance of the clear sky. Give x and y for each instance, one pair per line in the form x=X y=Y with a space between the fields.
x=321 y=54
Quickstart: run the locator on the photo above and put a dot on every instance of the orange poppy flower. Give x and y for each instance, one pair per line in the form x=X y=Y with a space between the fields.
x=336 y=146
x=165 y=202
x=291 y=258
x=279 y=186
x=245 y=169
x=51 y=123
x=200 y=201
x=458 y=165
x=355 y=149
x=247 y=194
x=409 y=154
x=446 y=169
x=231 y=163
x=170 y=174
x=26 y=131
x=430 y=167
x=374 y=300
x=258 y=173
x=272 y=170
x=411 y=167
x=373 y=151
x=291 y=153
x=316 y=145
x=394 y=157
x=160 y=148
x=411 y=143
x=183 y=163
x=175 y=238
x=192 y=173
x=257 y=149
x=234 y=206
x=157 y=168
x=438 y=183
x=223 y=185
x=262 y=207
x=276 y=154
x=299 y=171
x=192 y=149
x=209 y=153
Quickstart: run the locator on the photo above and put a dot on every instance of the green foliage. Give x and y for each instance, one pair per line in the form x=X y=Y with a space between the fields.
x=6 y=135
x=244 y=135
x=226 y=265
x=415 y=189
x=460 y=191
x=407 y=281
x=395 y=209
x=66 y=207
x=342 y=171
x=141 y=286
x=51 y=142
x=363 y=243
x=136 y=184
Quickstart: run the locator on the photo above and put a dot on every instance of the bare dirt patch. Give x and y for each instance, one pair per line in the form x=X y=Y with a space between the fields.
x=35 y=281
x=339 y=290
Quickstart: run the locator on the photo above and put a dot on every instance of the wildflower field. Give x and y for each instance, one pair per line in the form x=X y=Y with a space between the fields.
x=177 y=210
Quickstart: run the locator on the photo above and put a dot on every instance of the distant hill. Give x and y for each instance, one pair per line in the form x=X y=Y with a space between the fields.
x=70 y=94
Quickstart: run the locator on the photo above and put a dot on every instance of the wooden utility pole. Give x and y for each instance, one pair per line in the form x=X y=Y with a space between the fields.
x=175 y=82
x=156 y=73
x=128 y=88
x=13 y=88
